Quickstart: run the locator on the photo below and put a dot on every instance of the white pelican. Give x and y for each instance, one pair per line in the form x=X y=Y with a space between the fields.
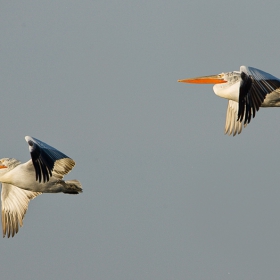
x=247 y=90
x=22 y=182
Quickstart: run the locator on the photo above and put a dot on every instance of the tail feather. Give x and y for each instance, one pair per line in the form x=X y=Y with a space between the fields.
x=73 y=187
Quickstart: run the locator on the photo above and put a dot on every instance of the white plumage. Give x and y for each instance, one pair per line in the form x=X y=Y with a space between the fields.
x=247 y=90
x=22 y=182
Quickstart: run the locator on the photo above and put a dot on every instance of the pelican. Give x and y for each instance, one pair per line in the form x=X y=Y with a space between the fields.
x=246 y=90
x=21 y=182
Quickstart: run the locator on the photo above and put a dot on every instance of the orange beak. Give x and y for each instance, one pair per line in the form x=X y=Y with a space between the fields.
x=3 y=166
x=213 y=79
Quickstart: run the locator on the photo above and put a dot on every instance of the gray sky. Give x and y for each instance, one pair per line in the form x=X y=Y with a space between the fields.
x=166 y=194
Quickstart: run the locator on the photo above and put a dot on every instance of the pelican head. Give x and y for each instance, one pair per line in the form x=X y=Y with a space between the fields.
x=7 y=164
x=226 y=85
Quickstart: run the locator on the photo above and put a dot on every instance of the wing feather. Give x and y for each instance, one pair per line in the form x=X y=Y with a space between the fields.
x=233 y=126
x=14 y=206
x=48 y=160
x=254 y=87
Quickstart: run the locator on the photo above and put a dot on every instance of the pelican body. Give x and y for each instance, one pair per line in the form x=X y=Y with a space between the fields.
x=23 y=176
x=247 y=90
x=21 y=182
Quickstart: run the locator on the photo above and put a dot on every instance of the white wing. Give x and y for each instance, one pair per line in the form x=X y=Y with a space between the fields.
x=232 y=125
x=48 y=160
x=14 y=206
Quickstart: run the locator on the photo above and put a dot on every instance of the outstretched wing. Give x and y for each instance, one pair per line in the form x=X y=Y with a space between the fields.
x=48 y=160
x=255 y=85
x=232 y=125
x=14 y=206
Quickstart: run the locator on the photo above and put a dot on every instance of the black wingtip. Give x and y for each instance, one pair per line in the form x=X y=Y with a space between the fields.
x=244 y=108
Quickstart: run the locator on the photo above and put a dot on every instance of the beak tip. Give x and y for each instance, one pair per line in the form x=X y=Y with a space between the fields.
x=183 y=81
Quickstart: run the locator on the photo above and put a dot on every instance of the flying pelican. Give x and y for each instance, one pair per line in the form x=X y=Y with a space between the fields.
x=247 y=90
x=22 y=182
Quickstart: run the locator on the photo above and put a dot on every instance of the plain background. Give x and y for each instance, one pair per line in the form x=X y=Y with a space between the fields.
x=166 y=194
